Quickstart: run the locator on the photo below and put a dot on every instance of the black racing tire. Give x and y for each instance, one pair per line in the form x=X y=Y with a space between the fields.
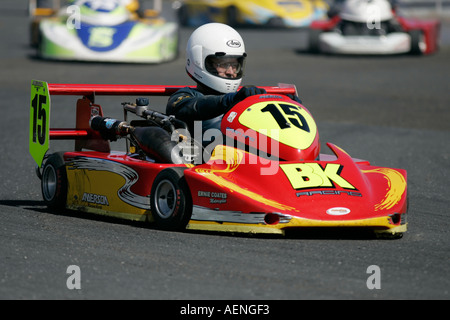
x=276 y=22
x=183 y=15
x=313 y=40
x=418 y=45
x=170 y=200
x=232 y=14
x=54 y=182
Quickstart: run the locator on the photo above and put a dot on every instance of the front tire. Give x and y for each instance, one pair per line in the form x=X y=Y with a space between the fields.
x=54 y=182
x=170 y=200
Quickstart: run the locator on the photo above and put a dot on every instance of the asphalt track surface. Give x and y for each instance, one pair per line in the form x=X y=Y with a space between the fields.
x=393 y=111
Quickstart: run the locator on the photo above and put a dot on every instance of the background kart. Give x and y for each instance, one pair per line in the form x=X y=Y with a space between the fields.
x=110 y=31
x=399 y=35
x=270 y=178
x=295 y=13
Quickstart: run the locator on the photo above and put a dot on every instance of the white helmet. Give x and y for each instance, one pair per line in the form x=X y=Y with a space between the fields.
x=366 y=10
x=214 y=41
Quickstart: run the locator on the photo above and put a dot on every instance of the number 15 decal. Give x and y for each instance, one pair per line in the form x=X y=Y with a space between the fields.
x=39 y=120
x=294 y=126
x=292 y=113
x=39 y=114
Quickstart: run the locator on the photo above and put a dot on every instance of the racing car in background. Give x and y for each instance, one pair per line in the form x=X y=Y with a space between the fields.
x=292 y=13
x=372 y=27
x=268 y=177
x=102 y=30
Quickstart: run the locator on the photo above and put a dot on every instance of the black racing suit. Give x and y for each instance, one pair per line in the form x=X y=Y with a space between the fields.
x=191 y=105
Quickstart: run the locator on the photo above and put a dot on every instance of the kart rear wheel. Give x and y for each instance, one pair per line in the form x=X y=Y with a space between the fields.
x=313 y=41
x=183 y=15
x=232 y=16
x=170 y=200
x=54 y=182
x=276 y=22
x=418 y=43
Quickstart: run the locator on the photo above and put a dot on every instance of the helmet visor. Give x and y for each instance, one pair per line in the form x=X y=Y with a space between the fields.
x=226 y=66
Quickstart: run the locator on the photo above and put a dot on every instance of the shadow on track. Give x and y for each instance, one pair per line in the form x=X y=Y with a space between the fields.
x=309 y=233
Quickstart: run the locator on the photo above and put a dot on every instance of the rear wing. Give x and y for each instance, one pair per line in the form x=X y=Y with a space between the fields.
x=86 y=108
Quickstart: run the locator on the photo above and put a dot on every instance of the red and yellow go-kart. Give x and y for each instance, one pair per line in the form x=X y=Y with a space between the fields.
x=267 y=175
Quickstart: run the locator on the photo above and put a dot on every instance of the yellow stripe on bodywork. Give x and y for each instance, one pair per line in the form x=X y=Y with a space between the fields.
x=233 y=158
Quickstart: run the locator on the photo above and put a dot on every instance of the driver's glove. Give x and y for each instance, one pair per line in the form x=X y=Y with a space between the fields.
x=231 y=99
x=295 y=98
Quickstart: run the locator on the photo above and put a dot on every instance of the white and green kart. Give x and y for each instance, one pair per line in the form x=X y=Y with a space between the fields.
x=109 y=33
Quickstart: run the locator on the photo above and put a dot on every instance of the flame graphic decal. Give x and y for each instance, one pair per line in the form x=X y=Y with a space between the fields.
x=233 y=158
x=396 y=187
x=130 y=176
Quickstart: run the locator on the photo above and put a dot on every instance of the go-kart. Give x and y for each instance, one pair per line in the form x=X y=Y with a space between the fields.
x=266 y=175
x=285 y=14
x=103 y=31
x=365 y=27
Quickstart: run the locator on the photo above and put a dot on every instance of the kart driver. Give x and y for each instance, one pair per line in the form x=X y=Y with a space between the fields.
x=215 y=60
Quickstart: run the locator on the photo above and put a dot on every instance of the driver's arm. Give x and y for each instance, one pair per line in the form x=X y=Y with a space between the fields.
x=190 y=105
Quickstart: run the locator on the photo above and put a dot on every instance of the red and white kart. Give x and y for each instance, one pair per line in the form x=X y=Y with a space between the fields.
x=363 y=27
x=268 y=177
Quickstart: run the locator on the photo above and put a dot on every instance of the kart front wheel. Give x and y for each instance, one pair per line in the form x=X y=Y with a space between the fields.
x=170 y=200
x=54 y=182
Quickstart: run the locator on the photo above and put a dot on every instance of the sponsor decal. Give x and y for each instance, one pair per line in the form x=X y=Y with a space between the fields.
x=232 y=116
x=124 y=193
x=95 y=111
x=329 y=192
x=95 y=199
x=109 y=123
x=312 y=175
x=214 y=197
x=270 y=96
x=233 y=43
x=338 y=211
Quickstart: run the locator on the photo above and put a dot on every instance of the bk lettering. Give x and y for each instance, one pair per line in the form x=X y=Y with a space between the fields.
x=312 y=175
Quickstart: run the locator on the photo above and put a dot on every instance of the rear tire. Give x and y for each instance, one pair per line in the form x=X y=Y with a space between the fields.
x=170 y=200
x=54 y=182
x=418 y=44
x=183 y=15
x=232 y=16
x=313 y=41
